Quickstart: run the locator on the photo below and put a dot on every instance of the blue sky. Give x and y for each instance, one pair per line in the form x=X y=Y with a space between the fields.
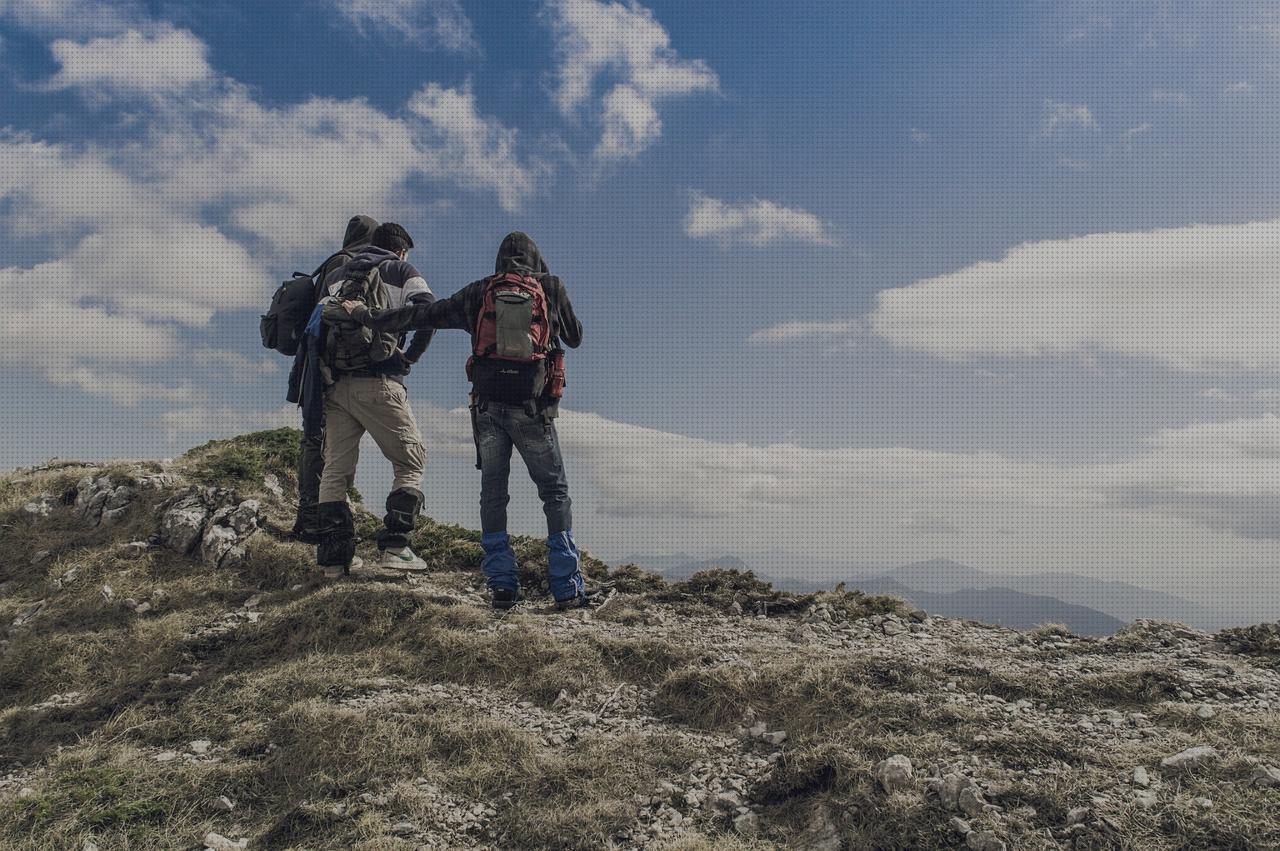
x=863 y=283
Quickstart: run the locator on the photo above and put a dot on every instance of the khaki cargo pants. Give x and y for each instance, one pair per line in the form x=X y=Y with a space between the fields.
x=379 y=406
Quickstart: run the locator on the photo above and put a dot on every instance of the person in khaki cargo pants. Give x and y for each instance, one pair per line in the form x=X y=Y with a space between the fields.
x=367 y=394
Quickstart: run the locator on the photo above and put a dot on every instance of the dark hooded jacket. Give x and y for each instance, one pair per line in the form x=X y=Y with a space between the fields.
x=306 y=386
x=518 y=253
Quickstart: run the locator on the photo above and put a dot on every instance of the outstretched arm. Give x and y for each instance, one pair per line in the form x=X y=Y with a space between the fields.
x=448 y=312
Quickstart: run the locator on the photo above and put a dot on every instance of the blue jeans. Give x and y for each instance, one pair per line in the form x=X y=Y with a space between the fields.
x=499 y=428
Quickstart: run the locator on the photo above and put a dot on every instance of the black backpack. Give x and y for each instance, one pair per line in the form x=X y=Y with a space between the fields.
x=285 y=321
x=350 y=346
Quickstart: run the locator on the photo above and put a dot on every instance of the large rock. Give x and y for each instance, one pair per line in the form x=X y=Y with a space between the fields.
x=183 y=524
x=895 y=774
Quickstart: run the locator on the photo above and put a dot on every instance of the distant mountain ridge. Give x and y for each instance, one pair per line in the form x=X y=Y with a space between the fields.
x=998 y=606
x=1088 y=606
x=1118 y=599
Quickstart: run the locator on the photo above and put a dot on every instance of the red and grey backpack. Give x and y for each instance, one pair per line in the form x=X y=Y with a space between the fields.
x=511 y=340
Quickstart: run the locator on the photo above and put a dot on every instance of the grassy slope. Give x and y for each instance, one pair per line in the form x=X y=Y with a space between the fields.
x=338 y=714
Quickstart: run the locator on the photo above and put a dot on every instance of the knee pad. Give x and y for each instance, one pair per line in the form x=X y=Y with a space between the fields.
x=402 y=509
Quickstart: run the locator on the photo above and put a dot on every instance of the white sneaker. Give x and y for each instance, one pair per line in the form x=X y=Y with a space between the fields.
x=337 y=571
x=401 y=559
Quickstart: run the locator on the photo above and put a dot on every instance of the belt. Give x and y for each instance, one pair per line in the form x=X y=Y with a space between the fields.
x=359 y=373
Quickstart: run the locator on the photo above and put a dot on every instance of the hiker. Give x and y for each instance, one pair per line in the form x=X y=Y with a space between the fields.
x=306 y=387
x=364 y=376
x=517 y=318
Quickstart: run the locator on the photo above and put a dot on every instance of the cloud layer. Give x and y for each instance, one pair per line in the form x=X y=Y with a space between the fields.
x=1198 y=299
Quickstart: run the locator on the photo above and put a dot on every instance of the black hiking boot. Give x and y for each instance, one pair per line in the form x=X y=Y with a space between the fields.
x=506 y=598
x=592 y=595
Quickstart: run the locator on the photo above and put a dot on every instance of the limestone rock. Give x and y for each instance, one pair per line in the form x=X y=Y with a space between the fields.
x=895 y=774
x=1266 y=775
x=182 y=525
x=244 y=519
x=1191 y=757
x=217 y=542
x=970 y=801
x=218 y=842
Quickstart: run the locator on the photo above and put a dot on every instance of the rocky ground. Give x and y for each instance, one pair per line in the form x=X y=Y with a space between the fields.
x=175 y=675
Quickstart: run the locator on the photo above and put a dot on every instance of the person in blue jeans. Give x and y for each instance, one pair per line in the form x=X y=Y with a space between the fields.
x=511 y=410
x=499 y=428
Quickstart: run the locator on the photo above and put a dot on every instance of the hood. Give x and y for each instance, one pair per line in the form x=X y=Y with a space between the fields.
x=518 y=253
x=369 y=255
x=359 y=231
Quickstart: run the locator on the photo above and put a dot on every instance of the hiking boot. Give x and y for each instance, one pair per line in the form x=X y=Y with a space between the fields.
x=337 y=571
x=401 y=558
x=506 y=598
x=592 y=595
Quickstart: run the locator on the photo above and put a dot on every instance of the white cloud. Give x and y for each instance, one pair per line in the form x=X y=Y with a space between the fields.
x=757 y=222
x=595 y=38
x=918 y=136
x=233 y=367
x=1074 y=164
x=477 y=152
x=787 y=332
x=1060 y=116
x=438 y=22
x=1200 y=298
x=166 y=61
x=1238 y=88
x=118 y=387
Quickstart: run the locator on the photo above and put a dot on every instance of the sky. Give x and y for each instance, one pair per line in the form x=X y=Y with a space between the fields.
x=862 y=283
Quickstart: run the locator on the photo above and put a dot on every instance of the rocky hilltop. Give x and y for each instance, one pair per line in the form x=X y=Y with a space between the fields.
x=173 y=674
